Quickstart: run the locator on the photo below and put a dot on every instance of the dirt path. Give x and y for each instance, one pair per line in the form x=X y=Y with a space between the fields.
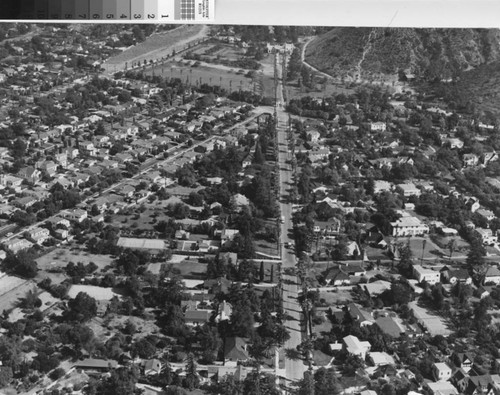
x=389 y=81
x=157 y=46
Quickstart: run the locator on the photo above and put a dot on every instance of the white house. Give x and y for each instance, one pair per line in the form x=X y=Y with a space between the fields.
x=492 y=275
x=441 y=371
x=75 y=215
x=378 y=126
x=423 y=274
x=38 y=235
x=408 y=226
x=408 y=189
x=356 y=347
x=486 y=235
x=486 y=214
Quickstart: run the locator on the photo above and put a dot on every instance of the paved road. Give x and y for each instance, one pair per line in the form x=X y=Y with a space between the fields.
x=294 y=369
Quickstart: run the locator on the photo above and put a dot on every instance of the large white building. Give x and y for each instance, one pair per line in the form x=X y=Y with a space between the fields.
x=408 y=226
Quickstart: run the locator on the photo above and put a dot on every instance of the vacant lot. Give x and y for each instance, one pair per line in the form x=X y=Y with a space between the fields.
x=337 y=296
x=156 y=47
x=12 y=289
x=60 y=257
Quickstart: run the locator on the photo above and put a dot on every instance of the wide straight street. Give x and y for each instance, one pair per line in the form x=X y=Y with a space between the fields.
x=294 y=368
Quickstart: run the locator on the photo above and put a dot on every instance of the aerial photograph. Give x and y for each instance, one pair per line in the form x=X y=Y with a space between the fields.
x=249 y=210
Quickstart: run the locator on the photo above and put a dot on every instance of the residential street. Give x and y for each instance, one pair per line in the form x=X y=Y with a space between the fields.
x=294 y=368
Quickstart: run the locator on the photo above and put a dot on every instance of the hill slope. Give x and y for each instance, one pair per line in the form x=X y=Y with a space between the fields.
x=364 y=53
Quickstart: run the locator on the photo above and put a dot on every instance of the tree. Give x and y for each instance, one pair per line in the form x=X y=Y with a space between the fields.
x=192 y=379
x=121 y=382
x=22 y=264
x=326 y=383
x=82 y=308
x=5 y=375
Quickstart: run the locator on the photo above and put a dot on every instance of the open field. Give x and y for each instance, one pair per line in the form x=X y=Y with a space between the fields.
x=214 y=75
x=157 y=46
x=60 y=257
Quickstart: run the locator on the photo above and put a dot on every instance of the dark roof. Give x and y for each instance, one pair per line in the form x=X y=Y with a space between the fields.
x=388 y=326
x=235 y=349
x=91 y=363
x=197 y=315
x=461 y=274
x=337 y=274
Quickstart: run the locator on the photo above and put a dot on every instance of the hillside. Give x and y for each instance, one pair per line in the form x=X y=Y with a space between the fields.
x=372 y=53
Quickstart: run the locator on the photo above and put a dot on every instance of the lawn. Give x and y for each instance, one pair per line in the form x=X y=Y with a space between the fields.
x=338 y=296
x=430 y=252
x=60 y=257
x=189 y=268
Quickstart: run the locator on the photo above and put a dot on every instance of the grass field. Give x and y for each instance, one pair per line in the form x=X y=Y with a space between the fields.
x=60 y=257
x=156 y=47
x=206 y=74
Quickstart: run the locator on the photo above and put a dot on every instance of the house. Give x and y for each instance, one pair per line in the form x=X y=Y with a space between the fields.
x=152 y=367
x=460 y=379
x=463 y=361
x=381 y=186
x=356 y=347
x=428 y=275
x=15 y=245
x=441 y=388
x=197 y=317
x=313 y=136
x=87 y=147
x=235 y=349
x=492 y=275
x=459 y=276
x=354 y=269
x=408 y=189
x=486 y=236
x=378 y=126
x=58 y=221
x=390 y=327
x=337 y=277
x=100 y=365
x=480 y=385
x=30 y=174
x=408 y=226
x=76 y=215
x=38 y=235
x=486 y=214
x=454 y=143
x=489 y=157
x=441 y=371
x=484 y=291
x=470 y=160
x=380 y=359
x=359 y=314
x=49 y=166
